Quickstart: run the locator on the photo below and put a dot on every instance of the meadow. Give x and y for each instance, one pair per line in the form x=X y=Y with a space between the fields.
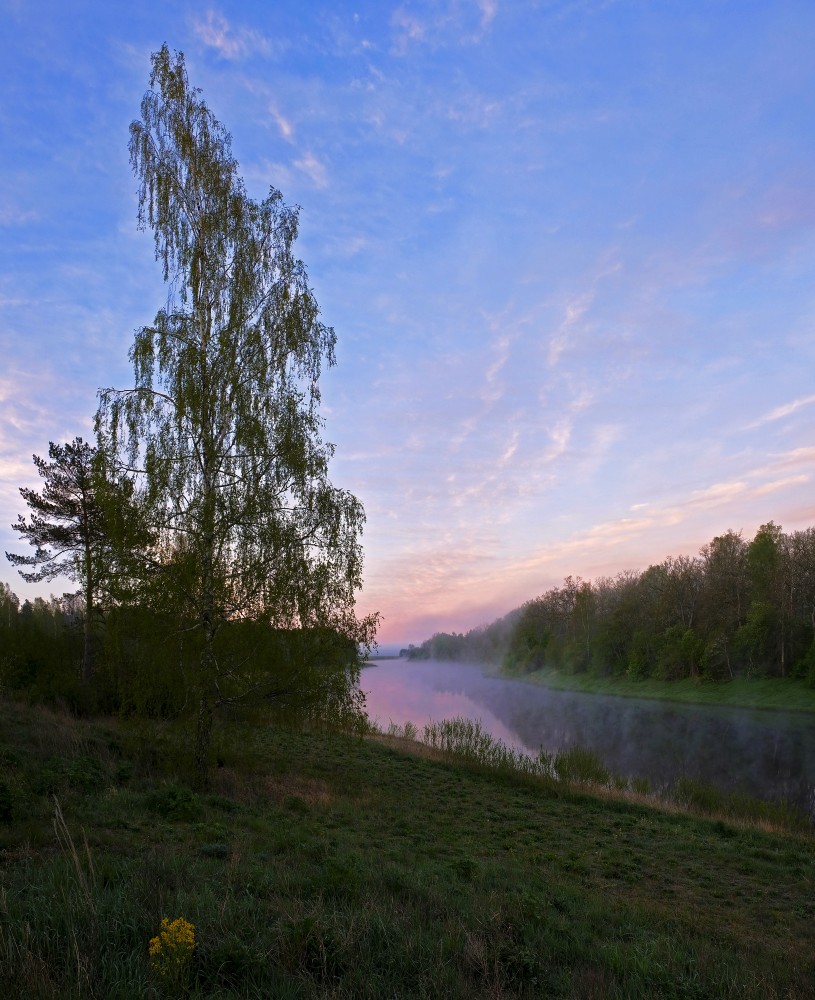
x=323 y=864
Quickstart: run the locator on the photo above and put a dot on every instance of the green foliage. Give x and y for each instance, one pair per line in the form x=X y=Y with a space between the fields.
x=176 y=803
x=755 y=639
x=716 y=663
x=679 y=654
x=640 y=655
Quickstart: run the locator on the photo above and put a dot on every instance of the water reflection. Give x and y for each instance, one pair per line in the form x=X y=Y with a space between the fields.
x=764 y=753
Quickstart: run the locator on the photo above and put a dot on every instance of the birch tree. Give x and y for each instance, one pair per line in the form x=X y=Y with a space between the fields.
x=221 y=428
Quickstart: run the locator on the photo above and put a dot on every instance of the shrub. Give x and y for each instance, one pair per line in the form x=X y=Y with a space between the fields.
x=176 y=802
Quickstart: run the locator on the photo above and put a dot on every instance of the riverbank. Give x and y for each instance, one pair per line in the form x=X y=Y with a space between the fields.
x=757 y=693
x=322 y=865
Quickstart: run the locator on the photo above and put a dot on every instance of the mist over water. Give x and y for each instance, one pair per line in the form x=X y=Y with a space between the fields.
x=767 y=754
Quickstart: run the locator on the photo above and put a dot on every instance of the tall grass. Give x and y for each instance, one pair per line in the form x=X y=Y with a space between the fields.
x=467 y=739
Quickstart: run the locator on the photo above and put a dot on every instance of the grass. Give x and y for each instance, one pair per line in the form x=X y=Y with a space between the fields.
x=322 y=865
x=757 y=693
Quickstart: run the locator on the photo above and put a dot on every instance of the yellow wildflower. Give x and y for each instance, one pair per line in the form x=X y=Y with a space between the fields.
x=171 y=950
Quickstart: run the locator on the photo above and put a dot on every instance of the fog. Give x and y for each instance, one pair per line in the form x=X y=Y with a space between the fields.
x=767 y=754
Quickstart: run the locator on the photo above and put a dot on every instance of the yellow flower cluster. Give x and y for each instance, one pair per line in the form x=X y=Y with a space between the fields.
x=172 y=949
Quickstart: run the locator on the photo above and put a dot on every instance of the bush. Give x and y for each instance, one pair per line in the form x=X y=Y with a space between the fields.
x=177 y=803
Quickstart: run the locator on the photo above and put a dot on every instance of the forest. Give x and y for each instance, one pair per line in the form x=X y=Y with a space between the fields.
x=741 y=608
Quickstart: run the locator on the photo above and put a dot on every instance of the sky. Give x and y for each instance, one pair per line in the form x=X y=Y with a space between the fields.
x=567 y=247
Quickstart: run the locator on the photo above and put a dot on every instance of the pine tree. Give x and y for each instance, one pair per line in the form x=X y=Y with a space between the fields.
x=66 y=529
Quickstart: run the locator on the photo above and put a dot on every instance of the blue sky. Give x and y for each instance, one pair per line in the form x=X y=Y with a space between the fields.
x=568 y=248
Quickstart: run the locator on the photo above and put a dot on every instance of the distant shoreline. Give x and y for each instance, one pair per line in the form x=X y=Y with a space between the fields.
x=760 y=693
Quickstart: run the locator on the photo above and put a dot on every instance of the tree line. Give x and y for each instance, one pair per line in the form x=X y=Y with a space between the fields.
x=740 y=608
x=145 y=660
x=216 y=562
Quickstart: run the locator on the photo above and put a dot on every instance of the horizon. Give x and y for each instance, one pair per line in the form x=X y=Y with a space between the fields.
x=567 y=249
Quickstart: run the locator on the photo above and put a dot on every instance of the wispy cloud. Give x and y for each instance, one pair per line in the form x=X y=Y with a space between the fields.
x=609 y=542
x=454 y=22
x=781 y=411
x=284 y=125
x=492 y=390
x=574 y=310
x=313 y=169
x=509 y=451
x=14 y=215
x=559 y=436
x=488 y=8
x=408 y=28
x=230 y=42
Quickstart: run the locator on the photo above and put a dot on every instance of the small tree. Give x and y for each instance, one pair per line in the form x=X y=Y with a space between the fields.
x=221 y=428
x=66 y=529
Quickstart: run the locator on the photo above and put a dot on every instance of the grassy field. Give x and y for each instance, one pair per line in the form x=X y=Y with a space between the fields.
x=324 y=865
x=789 y=695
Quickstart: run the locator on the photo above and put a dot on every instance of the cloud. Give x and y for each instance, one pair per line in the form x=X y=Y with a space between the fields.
x=13 y=215
x=574 y=311
x=510 y=450
x=780 y=484
x=230 y=43
x=455 y=23
x=559 y=435
x=313 y=169
x=492 y=391
x=408 y=28
x=472 y=109
x=642 y=531
x=284 y=125
x=716 y=494
x=781 y=411
x=349 y=246
x=488 y=8
x=258 y=88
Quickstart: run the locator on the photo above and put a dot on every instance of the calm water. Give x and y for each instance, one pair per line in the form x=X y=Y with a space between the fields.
x=767 y=754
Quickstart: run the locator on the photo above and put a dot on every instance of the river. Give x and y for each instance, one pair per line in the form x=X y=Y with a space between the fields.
x=767 y=754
